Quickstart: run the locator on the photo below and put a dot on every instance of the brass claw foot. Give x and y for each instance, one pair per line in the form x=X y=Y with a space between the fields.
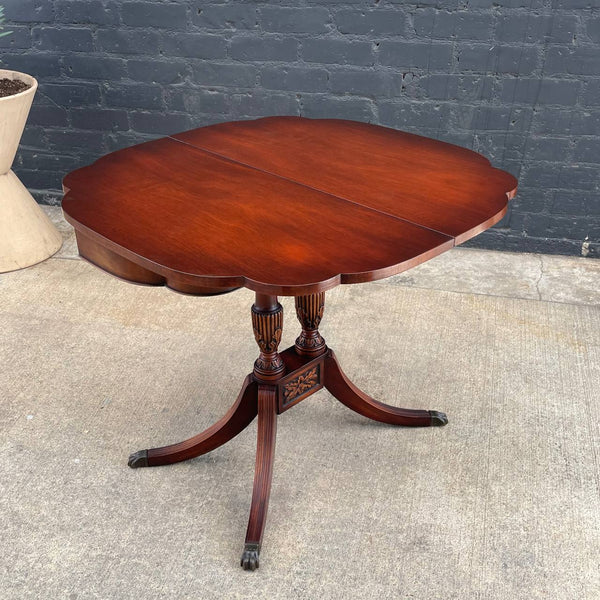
x=138 y=459
x=438 y=419
x=250 y=557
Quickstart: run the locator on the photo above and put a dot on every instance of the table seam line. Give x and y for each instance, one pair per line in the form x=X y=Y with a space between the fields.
x=310 y=187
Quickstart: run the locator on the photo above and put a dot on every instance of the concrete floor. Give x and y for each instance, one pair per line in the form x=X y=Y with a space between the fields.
x=503 y=503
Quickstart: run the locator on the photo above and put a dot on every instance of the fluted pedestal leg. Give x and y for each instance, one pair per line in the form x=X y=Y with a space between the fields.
x=278 y=382
x=263 y=474
x=309 y=310
x=267 y=323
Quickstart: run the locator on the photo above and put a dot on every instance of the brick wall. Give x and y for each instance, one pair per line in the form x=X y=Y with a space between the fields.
x=518 y=80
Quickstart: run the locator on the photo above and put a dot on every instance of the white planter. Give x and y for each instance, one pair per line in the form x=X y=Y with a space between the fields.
x=27 y=236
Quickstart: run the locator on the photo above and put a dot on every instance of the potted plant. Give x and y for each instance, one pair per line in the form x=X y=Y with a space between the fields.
x=27 y=235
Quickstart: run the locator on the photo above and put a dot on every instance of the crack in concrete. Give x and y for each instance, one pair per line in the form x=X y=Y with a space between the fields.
x=539 y=279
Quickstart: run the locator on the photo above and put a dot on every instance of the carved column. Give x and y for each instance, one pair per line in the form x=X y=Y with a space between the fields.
x=309 y=310
x=267 y=322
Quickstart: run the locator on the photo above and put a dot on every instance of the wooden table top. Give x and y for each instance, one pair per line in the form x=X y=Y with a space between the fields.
x=281 y=205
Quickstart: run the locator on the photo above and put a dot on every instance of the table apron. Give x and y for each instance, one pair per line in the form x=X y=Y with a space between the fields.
x=300 y=380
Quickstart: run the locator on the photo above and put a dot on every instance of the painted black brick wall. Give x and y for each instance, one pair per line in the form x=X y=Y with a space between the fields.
x=518 y=80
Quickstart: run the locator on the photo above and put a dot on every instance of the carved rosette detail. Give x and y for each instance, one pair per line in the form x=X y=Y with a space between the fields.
x=267 y=328
x=303 y=383
x=309 y=310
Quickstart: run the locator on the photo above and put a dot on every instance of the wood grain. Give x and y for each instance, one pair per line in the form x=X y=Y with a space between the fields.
x=263 y=473
x=237 y=418
x=318 y=203
x=338 y=384
x=441 y=186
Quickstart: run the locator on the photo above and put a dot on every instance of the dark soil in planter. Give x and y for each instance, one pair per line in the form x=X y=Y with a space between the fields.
x=9 y=87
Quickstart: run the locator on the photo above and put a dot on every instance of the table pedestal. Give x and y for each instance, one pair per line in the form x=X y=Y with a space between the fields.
x=278 y=382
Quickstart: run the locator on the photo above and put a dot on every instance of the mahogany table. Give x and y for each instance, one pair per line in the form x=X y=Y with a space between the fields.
x=283 y=206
